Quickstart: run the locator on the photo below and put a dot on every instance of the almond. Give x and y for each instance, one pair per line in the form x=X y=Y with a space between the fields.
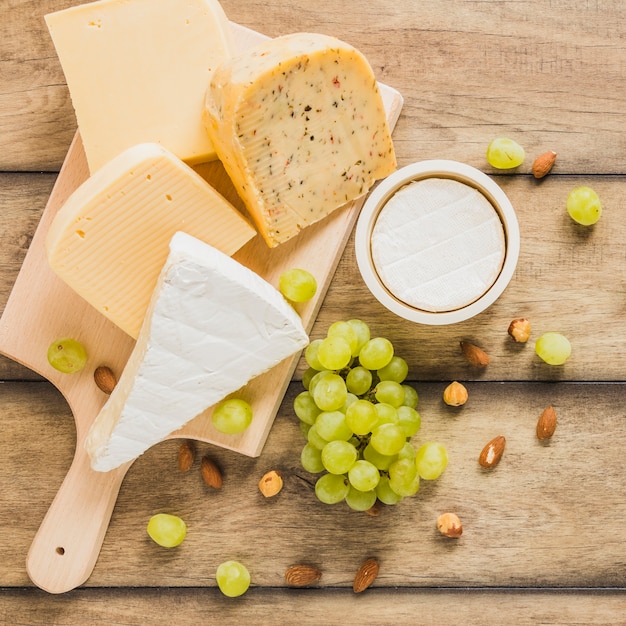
x=365 y=576
x=449 y=525
x=475 y=356
x=519 y=329
x=375 y=510
x=105 y=379
x=211 y=473
x=302 y=575
x=271 y=483
x=455 y=394
x=546 y=424
x=186 y=455
x=492 y=452
x=543 y=164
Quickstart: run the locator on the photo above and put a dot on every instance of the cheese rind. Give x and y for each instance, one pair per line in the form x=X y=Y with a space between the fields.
x=137 y=72
x=438 y=244
x=299 y=123
x=110 y=238
x=212 y=326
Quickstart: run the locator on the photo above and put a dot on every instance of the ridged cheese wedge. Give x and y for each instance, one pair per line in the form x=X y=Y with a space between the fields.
x=110 y=239
x=212 y=326
x=299 y=124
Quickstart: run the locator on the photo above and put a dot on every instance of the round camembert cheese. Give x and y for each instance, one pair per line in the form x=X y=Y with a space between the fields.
x=438 y=244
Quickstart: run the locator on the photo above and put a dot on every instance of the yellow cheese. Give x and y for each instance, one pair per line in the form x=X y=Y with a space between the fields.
x=300 y=126
x=110 y=239
x=137 y=71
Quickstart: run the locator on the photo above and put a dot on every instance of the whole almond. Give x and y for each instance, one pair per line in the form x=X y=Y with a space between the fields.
x=455 y=394
x=302 y=575
x=449 y=525
x=186 y=455
x=271 y=483
x=475 y=356
x=105 y=379
x=211 y=473
x=492 y=453
x=543 y=164
x=519 y=330
x=365 y=576
x=546 y=424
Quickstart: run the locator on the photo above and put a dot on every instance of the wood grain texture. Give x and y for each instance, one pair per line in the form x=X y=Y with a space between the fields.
x=543 y=538
x=547 y=71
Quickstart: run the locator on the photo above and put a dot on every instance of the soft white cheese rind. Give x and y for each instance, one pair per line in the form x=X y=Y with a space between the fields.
x=212 y=326
x=438 y=244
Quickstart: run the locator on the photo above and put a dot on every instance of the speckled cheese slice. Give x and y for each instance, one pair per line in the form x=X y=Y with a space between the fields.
x=438 y=244
x=300 y=126
x=110 y=238
x=137 y=71
x=212 y=326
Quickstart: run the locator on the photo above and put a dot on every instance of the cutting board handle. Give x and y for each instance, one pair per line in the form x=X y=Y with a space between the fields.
x=66 y=546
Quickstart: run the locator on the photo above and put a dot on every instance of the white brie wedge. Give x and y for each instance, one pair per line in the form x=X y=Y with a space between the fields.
x=212 y=325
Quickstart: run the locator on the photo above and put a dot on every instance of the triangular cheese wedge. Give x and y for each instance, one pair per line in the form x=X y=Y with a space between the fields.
x=212 y=325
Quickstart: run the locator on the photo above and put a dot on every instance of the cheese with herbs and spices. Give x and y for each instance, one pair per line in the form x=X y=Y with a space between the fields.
x=299 y=124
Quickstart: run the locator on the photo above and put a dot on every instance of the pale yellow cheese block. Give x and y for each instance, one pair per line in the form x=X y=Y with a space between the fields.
x=110 y=239
x=137 y=71
x=299 y=124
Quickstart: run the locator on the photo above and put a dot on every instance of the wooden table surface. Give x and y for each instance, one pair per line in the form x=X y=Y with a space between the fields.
x=543 y=540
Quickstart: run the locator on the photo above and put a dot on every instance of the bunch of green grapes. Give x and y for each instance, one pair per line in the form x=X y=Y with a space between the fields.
x=358 y=416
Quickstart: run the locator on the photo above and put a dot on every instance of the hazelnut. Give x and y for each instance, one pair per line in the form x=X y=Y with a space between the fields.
x=271 y=483
x=449 y=525
x=455 y=394
x=519 y=329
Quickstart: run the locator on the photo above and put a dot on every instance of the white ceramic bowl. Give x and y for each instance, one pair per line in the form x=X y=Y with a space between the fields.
x=436 y=169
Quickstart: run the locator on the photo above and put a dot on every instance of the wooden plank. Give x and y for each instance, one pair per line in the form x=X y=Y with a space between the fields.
x=544 y=510
x=139 y=607
x=469 y=71
x=584 y=266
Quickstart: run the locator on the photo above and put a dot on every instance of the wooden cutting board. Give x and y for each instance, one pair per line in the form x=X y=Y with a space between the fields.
x=42 y=308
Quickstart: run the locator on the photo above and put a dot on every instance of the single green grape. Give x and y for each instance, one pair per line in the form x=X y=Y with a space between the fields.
x=232 y=416
x=364 y=475
x=389 y=392
x=405 y=488
x=316 y=378
x=334 y=353
x=359 y=380
x=431 y=460
x=409 y=420
x=311 y=459
x=233 y=578
x=376 y=353
x=331 y=425
x=305 y=408
x=361 y=417
x=387 y=414
x=402 y=475
x=410 y=396
x=67 y=355
x=504 y=153
x=385 y=493
x=331 y=488
x=297 y=285
x=310 y=355
x=396 y=370
x=315 y=439
x=553 y=348
x=166 y=530
x=388 y=439
x=339 y=456
x=407 y=452
x=584 y=206
x=381 y=461
x=307 y=376
x=345 y=331
x=362 y=331
x=330 y=392
x=360 y=500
